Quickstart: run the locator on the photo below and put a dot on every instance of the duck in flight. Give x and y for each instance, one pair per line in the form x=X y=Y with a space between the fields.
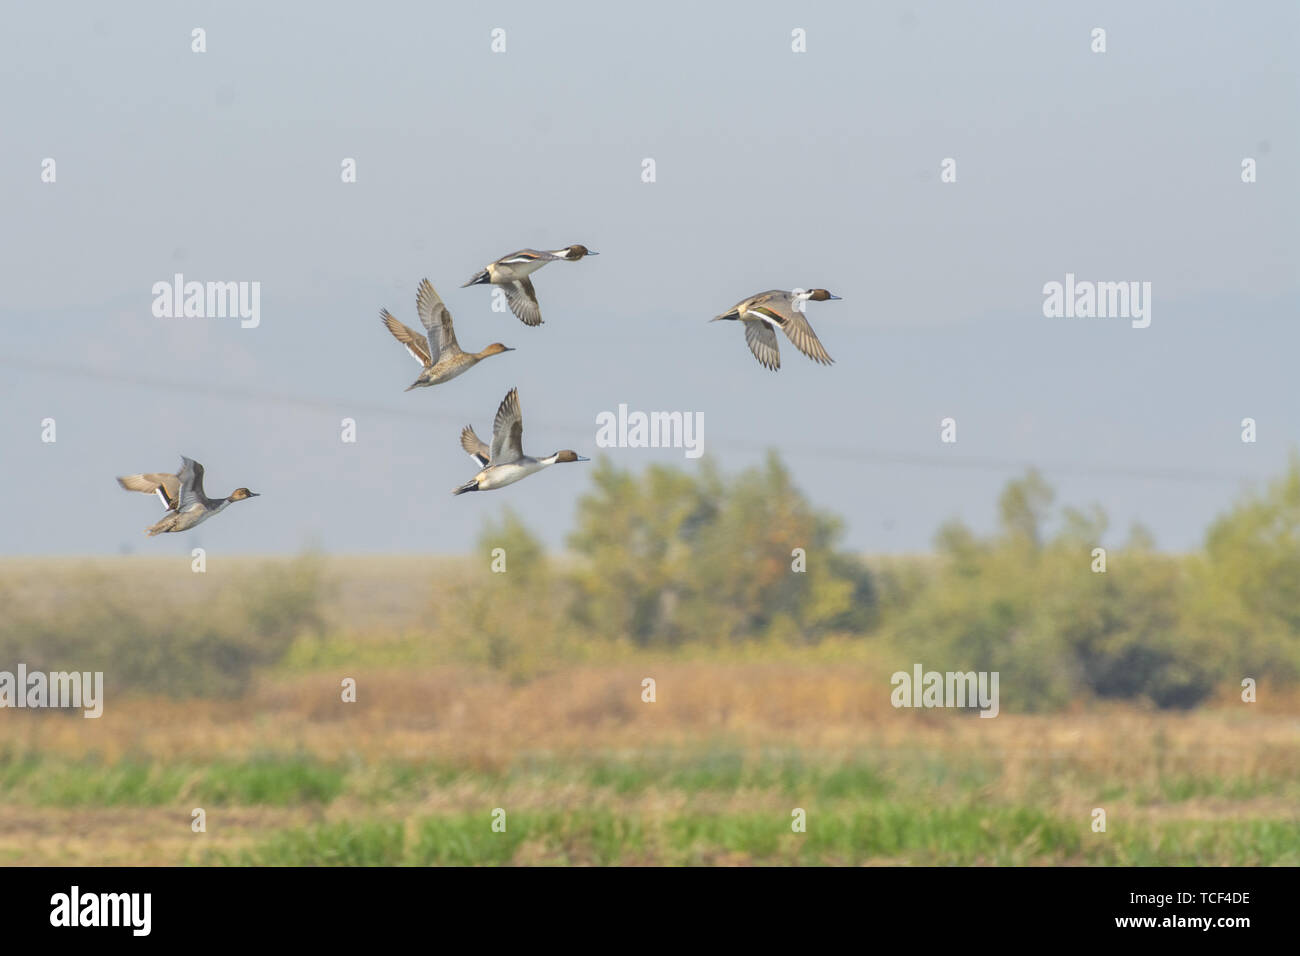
x=182 y=495
x=766 y=312
x=437 y=351
x=504 y=462
x=511 y=273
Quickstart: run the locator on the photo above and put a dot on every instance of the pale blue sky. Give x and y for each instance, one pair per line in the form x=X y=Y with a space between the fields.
x=775 y=169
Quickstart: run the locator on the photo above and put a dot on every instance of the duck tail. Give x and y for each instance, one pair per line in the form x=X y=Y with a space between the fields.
x=480 y=278
x=468 y=486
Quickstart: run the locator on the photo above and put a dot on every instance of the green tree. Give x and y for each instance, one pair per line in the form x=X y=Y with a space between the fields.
x=1247 y=590
x=636 y=535
x=1032 y=608
x=512 y=614
x=673 y=556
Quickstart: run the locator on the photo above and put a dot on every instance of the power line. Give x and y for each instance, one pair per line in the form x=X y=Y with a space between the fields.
x=860 y=456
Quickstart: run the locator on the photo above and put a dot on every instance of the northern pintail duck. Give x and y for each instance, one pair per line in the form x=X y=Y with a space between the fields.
x=511 y=273
x=438 y=351
x=182 y=495
x=505 y=462
x=762 y=314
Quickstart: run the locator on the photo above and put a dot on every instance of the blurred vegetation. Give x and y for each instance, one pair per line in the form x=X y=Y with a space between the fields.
x=513 y=611
x=669 y=560
x=1165 y=628
x=1031 y=606
x=206 y=643
x=960 y=835
x=672 y=557
x=510 y=677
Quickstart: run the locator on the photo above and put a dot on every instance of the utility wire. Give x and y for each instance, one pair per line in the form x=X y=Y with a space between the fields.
x=825 y=453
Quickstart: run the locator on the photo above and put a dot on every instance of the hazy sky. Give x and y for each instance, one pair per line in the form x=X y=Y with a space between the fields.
x=774 y=169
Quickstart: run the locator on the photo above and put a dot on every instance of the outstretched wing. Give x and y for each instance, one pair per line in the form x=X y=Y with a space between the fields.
x=166 y=487
x=508 y=430
x=796 y=328
x=436 y=321
x=523 y=301
x=761 y=339
x=191 y=481
x=476 y=447
x=415 y=343
x=798 y=331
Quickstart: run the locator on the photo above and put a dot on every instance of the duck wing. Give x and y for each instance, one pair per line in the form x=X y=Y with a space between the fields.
x=508 y=430
x=415 y=343
x=476 y=447
x=527 y=255
x=798 y=331
x=437 y=322
x=761 y=339
x=796 y=328
x=191 y=483
x=166 y=487
x=523 y=301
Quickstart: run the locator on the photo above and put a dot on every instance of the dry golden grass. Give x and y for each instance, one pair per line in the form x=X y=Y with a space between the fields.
x=736 y=734
x=486 y=729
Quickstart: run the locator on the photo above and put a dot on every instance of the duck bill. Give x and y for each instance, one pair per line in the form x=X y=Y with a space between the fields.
x=580 y=458
x=834 y=297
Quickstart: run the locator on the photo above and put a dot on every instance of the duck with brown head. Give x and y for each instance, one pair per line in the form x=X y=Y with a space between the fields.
x=437 y=351
x=511 y=273
x=821 y=295
x=574 y=253
x=504 y=462
x=764 y=313
x=182 y=495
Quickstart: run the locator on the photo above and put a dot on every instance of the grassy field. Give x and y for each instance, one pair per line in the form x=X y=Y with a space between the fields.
x=586 y=772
